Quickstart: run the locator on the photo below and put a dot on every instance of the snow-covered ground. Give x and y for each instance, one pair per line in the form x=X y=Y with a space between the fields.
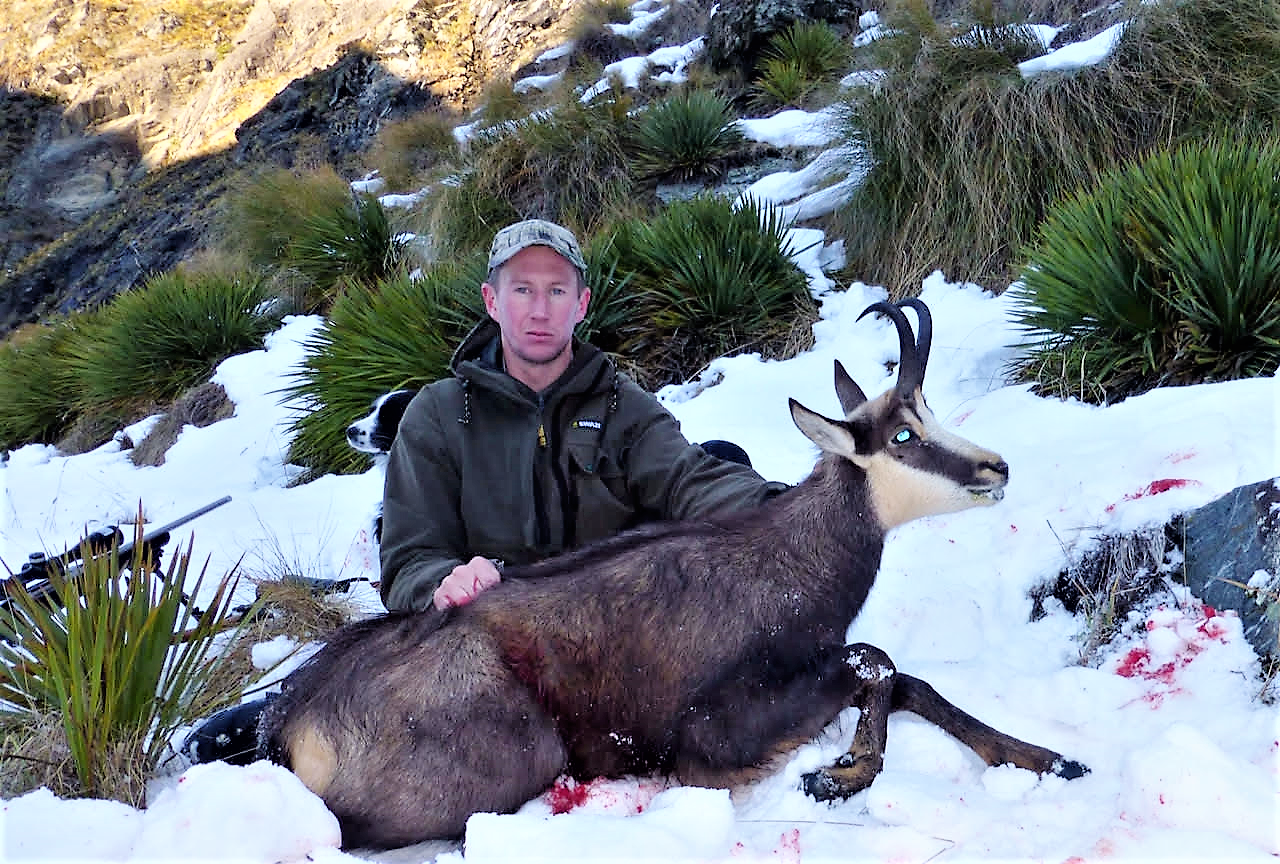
x=1185 y=759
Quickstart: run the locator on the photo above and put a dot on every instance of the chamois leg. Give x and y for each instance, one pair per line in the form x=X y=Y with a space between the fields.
x=994 y=747
x=753 y=719
x=874 y=674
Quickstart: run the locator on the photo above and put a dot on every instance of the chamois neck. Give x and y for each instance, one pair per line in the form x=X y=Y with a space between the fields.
x=832 y=525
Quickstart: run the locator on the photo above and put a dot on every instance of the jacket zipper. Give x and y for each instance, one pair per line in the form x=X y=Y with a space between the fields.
x=540 y=508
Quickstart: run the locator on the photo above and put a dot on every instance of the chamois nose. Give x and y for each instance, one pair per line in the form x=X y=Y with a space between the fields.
x=1001 y=468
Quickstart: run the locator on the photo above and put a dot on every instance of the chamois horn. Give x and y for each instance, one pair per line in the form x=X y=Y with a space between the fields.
x=924 y=335
x=910 y=365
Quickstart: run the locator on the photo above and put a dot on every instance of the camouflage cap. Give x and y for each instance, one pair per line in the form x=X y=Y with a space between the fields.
x=536 y=232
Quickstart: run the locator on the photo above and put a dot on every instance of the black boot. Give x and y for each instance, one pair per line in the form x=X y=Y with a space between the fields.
x=229 y=736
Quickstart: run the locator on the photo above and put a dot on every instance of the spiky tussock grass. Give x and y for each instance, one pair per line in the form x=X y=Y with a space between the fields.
x=265 y=213
x=1167 y=273
x=688 y=134
x=407 y=151
x=712 y=280
x=352 y=243
x=567 y=164
x=37 y=388
x=797 y=62
x=967 y=156
x=398 y=334
x=123 y=661
x=150 y=344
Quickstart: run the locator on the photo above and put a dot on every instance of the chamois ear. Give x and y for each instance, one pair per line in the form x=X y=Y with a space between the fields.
x=847 y=390
x=831 y=436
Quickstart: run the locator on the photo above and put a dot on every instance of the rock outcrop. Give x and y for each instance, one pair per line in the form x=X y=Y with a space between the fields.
x=123 y=121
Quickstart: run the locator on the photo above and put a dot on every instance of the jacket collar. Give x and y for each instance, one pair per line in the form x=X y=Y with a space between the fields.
x=478 y=359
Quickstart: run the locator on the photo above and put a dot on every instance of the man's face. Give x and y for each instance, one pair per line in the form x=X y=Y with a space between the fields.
x=536 y=303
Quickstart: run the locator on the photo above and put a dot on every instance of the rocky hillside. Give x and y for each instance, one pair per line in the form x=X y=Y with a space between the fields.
x=122 y=123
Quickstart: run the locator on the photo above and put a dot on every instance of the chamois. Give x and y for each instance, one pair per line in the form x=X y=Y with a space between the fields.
x=704 y=649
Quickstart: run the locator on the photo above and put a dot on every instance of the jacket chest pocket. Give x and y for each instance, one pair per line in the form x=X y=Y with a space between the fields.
x=603 y=506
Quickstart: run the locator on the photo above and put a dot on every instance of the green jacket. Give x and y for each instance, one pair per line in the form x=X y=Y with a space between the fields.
x=482 y=465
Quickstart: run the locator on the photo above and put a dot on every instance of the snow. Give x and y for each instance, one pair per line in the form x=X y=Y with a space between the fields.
x=1077 y=54
x=1184 y=756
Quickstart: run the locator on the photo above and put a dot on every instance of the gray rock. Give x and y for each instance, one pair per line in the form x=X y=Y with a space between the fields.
x=739 y=31
x=1235 y=540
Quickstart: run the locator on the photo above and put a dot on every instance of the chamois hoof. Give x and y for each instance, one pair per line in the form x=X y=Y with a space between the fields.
x=847 y=777
x=821 y=786
x=1070 y=769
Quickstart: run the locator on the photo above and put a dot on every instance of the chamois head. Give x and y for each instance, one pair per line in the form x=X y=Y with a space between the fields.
x=913 y=466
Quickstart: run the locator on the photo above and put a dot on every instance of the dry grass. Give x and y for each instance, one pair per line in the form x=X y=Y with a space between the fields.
x=34 y=753
x=1112 y=578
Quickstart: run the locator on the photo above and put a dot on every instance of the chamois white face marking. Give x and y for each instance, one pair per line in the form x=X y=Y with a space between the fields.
x=921 y=469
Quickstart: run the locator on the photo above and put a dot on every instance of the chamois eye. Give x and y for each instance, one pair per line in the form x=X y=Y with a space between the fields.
x=903 y=436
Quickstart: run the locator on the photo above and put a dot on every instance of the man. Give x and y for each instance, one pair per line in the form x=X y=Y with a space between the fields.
x=535 y=446
x=538 y=444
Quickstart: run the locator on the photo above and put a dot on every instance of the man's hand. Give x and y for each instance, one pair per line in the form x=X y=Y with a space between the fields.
x=464 y=582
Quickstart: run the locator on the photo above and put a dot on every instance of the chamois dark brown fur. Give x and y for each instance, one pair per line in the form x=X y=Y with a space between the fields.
x=704 y=649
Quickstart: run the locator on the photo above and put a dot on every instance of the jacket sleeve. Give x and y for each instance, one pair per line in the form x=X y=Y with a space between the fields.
x=675 y=479
x=422 y=534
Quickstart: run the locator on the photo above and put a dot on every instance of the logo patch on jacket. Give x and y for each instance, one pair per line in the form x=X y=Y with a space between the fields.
x=587 y=424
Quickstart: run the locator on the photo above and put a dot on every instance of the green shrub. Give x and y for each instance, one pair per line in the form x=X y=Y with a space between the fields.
x=397 y=334
x=152 y=343
x=687 y=134
x=567 y=164
x=798 y=61
x=713 y=280
x=36 y=389
x=1167 y=273
x=124 y=667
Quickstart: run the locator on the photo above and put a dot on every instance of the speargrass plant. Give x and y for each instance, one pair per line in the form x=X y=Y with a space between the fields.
x=152 y=343
x=798 y=61
x=36 y=389
x=713 y=280
x=123 y=660
x=397 y=334
x=354 y=242
x=688 y=134
x=1167 y=273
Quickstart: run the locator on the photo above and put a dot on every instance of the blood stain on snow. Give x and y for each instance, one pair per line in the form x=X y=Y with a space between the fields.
x=789 y=847
x=1181 y=456
x=1195 y=627
x=1156 y=487
x=566 y=794
x=603 y=794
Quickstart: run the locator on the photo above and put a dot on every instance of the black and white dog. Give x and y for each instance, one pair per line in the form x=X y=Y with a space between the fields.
x=374 y=432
